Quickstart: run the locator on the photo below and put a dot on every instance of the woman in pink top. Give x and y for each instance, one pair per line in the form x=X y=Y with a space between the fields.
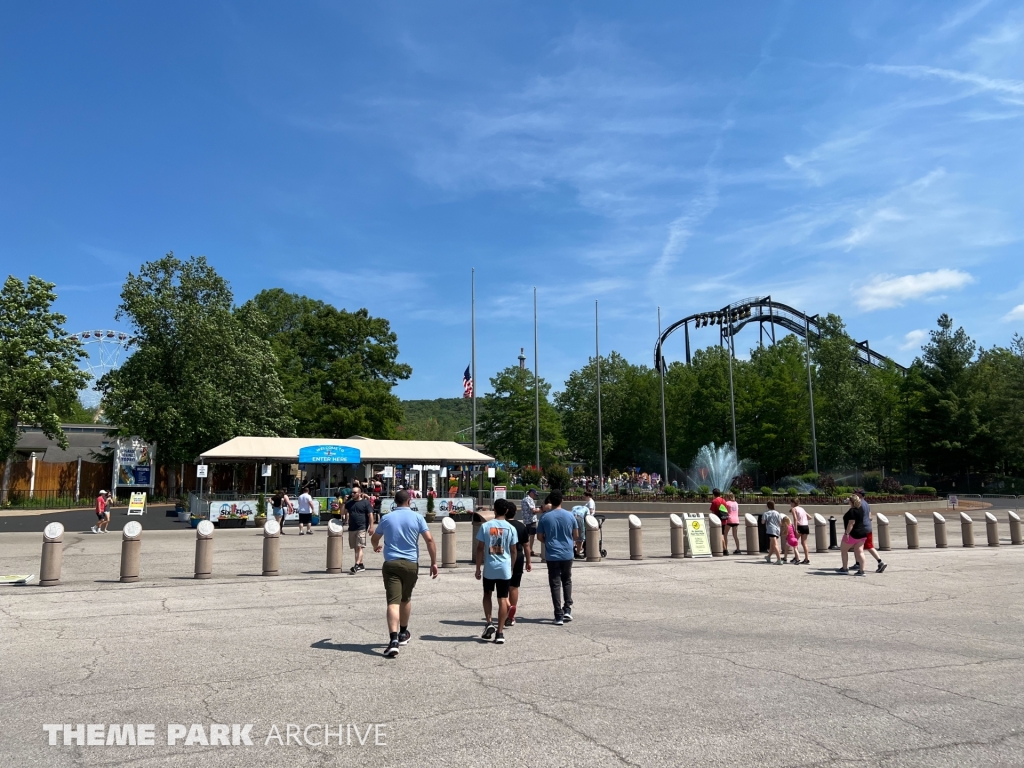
x=803 y=529
x=733 y=522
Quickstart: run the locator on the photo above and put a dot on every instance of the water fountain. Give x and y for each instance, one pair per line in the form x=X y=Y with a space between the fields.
x=715 y=467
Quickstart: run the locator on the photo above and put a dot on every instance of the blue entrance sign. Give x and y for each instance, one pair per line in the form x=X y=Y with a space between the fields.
x=329 y=454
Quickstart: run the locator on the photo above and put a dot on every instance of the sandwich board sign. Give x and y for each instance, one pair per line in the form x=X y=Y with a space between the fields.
x=500 y=491
x=137 y=503
x=697 y=534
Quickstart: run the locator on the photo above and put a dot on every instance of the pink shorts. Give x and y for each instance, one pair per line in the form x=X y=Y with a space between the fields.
x=852 y=542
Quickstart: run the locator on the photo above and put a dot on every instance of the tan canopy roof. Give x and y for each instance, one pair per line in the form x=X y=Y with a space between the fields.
x=371 y=451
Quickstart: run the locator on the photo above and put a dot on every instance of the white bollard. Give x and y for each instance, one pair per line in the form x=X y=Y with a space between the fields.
x=448 y=527
x=753 y=547
x=678 y=535
x=1015 y=529
x=636 y=538
x=913 y=540
x=992 y=529
x=715 y=534
x=820 y=533
x=967 y=529
x=940 y=530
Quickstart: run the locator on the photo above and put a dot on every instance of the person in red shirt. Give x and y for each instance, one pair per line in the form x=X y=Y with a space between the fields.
x=102 y=515
x=719 y=510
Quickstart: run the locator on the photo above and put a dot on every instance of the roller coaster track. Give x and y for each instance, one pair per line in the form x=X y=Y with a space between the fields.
x=733 y=318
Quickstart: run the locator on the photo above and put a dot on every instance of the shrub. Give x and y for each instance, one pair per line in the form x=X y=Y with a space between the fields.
x=558 y=477
x=703 y=490
x=924 y=490
x=872 y=481
x=745 y=483
x=670 y=490
x=828 y=485
x=766 y=490
x=815 y=492
x=810 y=477
x=530 y=476
x=908 y=490
x=792 y=491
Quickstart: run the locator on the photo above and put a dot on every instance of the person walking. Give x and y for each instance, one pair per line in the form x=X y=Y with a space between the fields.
x=286 y=509
x=869 y=541
x=773 y=528
x=336 y=506
x=495 y=543
x=305 y=511
x=102 y=515
x=523 y=559
x=803 y=530
x=275 y=508
x=529 y=511
x=854 y=537
x=733 y=521
x=401 y=530
x=361 y=523
x=790 y=537
x=558 y=530
x=588 y=500
x=719 y=510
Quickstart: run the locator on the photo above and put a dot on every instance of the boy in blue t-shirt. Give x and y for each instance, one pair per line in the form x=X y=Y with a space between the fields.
x=496 y=542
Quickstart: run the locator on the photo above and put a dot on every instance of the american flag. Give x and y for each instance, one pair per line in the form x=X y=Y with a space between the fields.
x=467 y=384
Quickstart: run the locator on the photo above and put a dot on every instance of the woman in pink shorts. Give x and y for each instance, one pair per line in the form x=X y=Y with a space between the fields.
x=854 y=537
x=733 y=522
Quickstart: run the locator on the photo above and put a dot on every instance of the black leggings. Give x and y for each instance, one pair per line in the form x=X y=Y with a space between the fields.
x=560 y=581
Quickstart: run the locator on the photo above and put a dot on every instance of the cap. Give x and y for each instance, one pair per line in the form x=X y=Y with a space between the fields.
x=532 y=490
x=102 y=493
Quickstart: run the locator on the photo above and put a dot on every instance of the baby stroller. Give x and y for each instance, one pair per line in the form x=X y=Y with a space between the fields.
x=580 y=547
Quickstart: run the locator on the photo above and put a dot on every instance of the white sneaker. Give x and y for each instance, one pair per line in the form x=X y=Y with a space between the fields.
x=95 y=529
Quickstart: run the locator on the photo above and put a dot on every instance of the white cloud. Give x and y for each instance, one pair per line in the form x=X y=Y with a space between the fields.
x=888 y=291
x=998 y=85
x=1017 y=313
x=914 y=339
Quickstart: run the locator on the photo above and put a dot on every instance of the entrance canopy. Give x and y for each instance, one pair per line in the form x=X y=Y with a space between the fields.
x=287 y=449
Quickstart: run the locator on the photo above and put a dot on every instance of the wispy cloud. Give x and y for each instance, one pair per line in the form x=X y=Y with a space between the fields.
x=886 y=291
x=1017 y=313
x=961 y=16
x=982 y=82
x=914 y=339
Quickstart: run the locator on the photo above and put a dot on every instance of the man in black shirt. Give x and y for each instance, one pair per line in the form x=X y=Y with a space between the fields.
x=522 y=560
x=359 y=514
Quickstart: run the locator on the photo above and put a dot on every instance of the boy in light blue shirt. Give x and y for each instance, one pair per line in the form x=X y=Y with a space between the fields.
x=558 y=531
x=495 y=544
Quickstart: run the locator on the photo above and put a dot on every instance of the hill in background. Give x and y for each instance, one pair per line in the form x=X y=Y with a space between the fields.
x=439 y=419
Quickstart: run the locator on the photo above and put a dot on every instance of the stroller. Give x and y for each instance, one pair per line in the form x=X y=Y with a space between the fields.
x=579 y=550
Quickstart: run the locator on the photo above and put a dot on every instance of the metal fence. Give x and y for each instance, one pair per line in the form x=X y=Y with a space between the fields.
x=45 y=499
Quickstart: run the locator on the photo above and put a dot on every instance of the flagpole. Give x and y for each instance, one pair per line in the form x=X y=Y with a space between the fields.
x=664 y=429
x=536 y=379
x=472 y=364
x=600 y=432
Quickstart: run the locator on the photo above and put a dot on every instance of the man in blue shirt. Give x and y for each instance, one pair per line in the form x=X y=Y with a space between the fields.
x=401 y=530
x=558 y=530
x=869 y=545
x=495 y=544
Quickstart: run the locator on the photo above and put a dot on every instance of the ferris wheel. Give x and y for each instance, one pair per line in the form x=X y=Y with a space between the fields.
x=104 y=350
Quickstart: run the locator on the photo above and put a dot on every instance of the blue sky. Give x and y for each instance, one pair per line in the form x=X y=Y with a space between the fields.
x=854 y=157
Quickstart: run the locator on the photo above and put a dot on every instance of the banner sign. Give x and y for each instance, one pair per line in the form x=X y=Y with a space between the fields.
x=442 y=507
x=137 y=503
x=134 y=462
x=697 y=534
x=329 y=454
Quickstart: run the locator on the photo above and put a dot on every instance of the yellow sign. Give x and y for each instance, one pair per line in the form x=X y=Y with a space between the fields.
x=697 y=534
x=137 y=503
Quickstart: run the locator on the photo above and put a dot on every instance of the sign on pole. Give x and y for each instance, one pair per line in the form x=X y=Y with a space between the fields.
x=137 y=503
x=499 y=492
x=268 y=470
x=697 y=534
x=201 y=470
x=133 y=462
x=490 y=471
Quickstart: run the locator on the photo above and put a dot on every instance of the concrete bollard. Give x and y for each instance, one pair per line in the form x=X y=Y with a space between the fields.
x=992 y=529
x=1016 y=536
x=966 y=529
x=335 y=545
x=271 y=548
x=940 y=530
x=678 y=535
x=448 y=527
x=833 y=541
x=636 y=538
x=913 y=541
x=592 y=544
x=883 y=542
x=751 y=525
x=131 y=551
x=820 y=533
x=715 y=534
x=204 y=549
x=53 y=555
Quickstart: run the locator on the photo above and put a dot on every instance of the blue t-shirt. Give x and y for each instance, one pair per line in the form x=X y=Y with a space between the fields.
x=500 y=539
x=557 y=527
x=866 y=509
x=401 y=529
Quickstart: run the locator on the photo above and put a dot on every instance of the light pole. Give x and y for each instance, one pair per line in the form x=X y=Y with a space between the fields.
x=472 y=363
x=536 y=379
x=732 y=393
x=810 y=389
x=600 y=432
x=664 y=429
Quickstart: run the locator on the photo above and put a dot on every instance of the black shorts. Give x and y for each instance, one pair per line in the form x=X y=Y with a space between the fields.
x=803 y=530
x=101 y=516
x=517 y=572
x=531 y=529
x=733 y=525
x=773 y=535
x=501 y=585
x=305 y=518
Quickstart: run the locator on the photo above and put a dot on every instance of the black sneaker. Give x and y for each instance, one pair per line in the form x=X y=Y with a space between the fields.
x=392 y=650
x=361 y=567
x=567 y=616
x=489 y=631
x=881 y=567
x=499 y=638
x=558 y=621
x=403 y=638
x=354 y=570
x=737 y=552
x=842 y=570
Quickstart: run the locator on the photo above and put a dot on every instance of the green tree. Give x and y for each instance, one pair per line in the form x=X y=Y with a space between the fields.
x=337 y=368
x=39 y=373
x=949 y=419
x=844 y=438
x=201 y=373
x=508 y=424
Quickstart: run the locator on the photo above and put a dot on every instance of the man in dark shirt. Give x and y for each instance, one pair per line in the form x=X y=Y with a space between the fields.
x=359 y=515
x=522 y=561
